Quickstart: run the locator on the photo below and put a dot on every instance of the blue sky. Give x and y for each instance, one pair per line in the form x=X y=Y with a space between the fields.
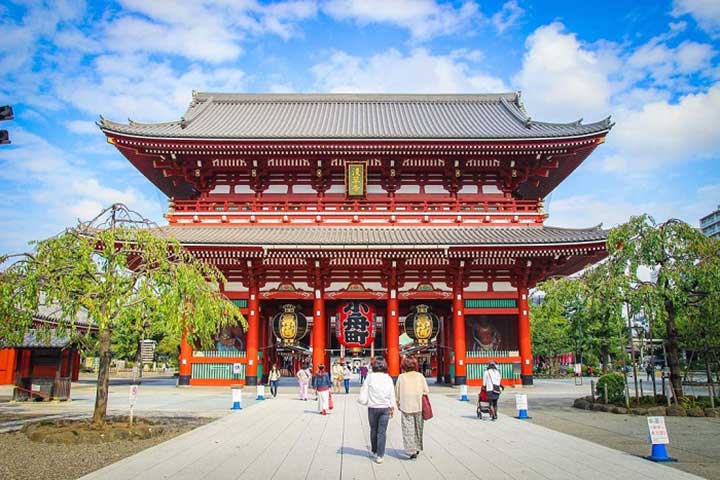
x=652 y=65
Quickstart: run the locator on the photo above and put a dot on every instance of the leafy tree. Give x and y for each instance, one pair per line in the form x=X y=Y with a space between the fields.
x=553 y=321
x=125 y=276
x=684 y=268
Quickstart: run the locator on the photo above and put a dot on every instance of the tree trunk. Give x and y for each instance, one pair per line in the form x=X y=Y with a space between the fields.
x=605 y=358
x=673 y=350
x=101 y=396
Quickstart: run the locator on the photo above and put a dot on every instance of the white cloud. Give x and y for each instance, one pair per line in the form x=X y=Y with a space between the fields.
x=207 y=31
x=705 y=12
x=83 y=127
x=612 y=212
x=508 y=16
x=663 y=133
x=423 y=18
x=123 y=86
x=562 y=80
x=417 y=72
x=61 y=188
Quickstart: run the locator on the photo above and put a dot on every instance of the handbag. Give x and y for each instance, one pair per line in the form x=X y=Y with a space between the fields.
x=427 y=412
x=330 y=401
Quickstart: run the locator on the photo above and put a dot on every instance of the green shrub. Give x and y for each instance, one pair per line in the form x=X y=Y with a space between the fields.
x=616 y=387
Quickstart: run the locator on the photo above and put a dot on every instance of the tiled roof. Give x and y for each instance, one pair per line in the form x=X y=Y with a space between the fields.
x=355 y=116
x=48 y=339
x=327 y=237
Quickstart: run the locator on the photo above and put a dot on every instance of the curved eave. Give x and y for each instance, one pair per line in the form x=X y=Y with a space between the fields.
x=142 y=135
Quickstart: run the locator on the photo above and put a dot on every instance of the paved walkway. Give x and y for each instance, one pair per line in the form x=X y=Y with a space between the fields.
x=285 y=438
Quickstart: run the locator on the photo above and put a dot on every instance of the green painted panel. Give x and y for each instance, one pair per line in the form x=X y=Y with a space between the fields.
x=491 y=303
x=219 y=353
x=475 y=371
x=216 y=371
x=242 y=303
x=492 y=354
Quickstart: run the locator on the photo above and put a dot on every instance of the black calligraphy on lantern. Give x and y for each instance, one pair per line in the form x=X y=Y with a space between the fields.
x=356 y=325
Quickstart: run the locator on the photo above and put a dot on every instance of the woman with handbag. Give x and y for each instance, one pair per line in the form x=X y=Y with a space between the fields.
x=492 y=382
x=409 y=390
x=321 y=383
x=378 y=393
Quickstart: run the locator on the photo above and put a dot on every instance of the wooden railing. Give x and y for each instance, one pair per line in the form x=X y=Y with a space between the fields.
x=349 y=206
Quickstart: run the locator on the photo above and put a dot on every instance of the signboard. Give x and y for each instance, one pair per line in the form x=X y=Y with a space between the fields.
x=658 y=431
x=355 y=323
x=237 y=368
x=521 y=402
x=133 y=394
x=356 y=179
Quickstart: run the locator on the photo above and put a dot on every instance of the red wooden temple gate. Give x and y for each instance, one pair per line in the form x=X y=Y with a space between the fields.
x=408 y=203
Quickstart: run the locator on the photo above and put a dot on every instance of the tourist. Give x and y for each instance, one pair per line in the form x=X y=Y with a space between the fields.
x=410 y=388
x=649 y=369
x=304 y=375
x=363 y=373
x=321 y=383
x=337 y=376
x=273 y=378
x=378 y=393
x=492 y=382
x=347 y=373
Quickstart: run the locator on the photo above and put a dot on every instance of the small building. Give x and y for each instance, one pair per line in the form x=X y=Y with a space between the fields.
x=45 y=364
x=710 y=224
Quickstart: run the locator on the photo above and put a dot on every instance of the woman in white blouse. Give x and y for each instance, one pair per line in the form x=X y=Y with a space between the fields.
x=492 y=380
x=378 y=393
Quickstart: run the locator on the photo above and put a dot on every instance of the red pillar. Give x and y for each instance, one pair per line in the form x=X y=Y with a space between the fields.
x=264 y=345
x=524 y=338
x=8 y=358
x=252 y=337
x=318 y=331
x=392 y=327
x=75 y=366
x=185 y=368
x=459 y=334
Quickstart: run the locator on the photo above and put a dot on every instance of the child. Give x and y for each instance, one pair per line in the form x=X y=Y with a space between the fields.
x=483 y=404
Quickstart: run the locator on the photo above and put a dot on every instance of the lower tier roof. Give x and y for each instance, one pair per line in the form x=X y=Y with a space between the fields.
x=397 y=236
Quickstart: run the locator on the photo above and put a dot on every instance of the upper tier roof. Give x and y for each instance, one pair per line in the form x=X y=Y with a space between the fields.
x=356 y=116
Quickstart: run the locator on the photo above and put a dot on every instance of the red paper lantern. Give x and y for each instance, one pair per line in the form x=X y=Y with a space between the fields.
x=355 y=324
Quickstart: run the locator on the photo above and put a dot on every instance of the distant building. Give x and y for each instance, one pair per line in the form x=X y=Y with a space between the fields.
x=710 y=224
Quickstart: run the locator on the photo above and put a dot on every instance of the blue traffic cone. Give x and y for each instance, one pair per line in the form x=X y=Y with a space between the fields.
x=236 y=398
x=463 y=393
x=658 y=453
x=260 y=392
x=523 y=415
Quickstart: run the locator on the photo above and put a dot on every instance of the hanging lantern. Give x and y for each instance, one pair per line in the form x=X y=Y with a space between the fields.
x=289 y=325
x=355 y=324
x=421 y=324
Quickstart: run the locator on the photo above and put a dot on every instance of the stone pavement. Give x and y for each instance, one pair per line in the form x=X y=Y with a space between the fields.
x=285 y=438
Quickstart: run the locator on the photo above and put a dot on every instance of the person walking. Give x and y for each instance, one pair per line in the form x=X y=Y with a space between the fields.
x=378 y=393
x=347 y=373
x=492 y=382
x=304 y=377
x=321 y=383
x=273 y=378
x=337 y=376
x=363 y=373
x=649 y=369
x=409 y=390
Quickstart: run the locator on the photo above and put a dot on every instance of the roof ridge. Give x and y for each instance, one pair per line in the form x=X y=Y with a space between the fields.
x=354 y=97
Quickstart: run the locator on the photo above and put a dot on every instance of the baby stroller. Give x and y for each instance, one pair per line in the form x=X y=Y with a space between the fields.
x=483 y=407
